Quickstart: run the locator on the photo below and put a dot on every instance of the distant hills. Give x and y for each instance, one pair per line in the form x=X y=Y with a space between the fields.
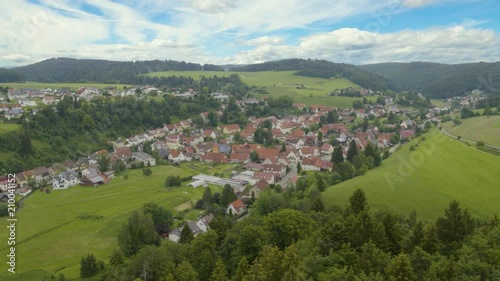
x=431 y=79
x=440 y=80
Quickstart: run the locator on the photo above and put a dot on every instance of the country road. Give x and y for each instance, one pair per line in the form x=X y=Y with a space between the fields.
x=466 y=139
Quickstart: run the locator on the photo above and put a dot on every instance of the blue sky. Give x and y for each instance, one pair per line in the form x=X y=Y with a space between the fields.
x=241 y=32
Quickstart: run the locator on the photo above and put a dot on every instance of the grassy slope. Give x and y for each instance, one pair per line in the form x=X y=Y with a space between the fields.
x=72 y=86
x=8 y=127
x=281 y=83
x=51 y=237
x=480 y=128
x=451 y=171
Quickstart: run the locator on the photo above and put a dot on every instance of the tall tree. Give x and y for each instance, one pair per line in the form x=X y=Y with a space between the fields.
x=399 y=269
x=26 y=148
x=227 y=196
x=162 y=217
x=242 y=269
x=353 y=150
x=337 y=156
x=455 y=225
x=136 y=233
x=365 y=125
x=358 y=201
x=219 y=273
x=186 y=235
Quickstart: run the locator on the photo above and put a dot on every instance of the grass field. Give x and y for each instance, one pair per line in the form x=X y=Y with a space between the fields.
x=440 y=103
x=482 y=128
x=439 y=170
x=284 y=83
x=8 y=127
x=51 y=236
x=72 y=86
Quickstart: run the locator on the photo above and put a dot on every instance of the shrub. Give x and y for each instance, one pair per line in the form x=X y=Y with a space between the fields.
x=480 y=143
x=412 y=148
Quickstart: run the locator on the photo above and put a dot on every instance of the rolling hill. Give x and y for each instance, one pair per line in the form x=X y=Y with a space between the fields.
x=426 y=180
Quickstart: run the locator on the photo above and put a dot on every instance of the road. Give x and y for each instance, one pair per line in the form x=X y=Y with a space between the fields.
x=466 y=139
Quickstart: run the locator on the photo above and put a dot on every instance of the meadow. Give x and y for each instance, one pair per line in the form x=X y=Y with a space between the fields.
x=8 y=127
x=71 y=86
x=481 y=128
x=284 y=83
x=441 y=169
x=55 y=230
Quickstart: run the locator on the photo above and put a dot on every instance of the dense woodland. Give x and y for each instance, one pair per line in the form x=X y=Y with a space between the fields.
x=101 y=71
x=8 y=76
x=440 y=80
x=323 y=69
x=289 y=235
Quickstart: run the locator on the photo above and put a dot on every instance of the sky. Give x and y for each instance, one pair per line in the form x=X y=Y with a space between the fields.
x=250 y=31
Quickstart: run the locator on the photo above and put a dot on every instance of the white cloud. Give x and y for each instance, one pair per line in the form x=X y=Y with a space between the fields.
x=417 y=3
x=265 y=40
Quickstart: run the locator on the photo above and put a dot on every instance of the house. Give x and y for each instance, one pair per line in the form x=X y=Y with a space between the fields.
x=326 y=149
x=71 y=165
x=48 y=100
x=278 y=171
x=21 y=180
x=175 y=235
x=311 y=164
x=258 y=188
x=93 y=177
x=268 y=177
x=64 y=180
x=308 y=152
x=41 y=174
x=177 y=156
x=239 y=157
x=236 y=208
x=407 y=134
x=214 y=157
x=4 y=184
x=145 y=158
x=123 y=153
x=231 y=129
x=203 y=222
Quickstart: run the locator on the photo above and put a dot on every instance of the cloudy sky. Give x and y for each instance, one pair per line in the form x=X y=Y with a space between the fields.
x=251 y=31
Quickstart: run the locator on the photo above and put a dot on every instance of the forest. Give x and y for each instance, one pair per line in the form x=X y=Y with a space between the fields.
x=10 y=76
x=289 y=235
x=440 y=80
x=101 y=71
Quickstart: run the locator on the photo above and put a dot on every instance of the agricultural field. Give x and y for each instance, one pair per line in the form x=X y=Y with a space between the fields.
x=8 y=127
x=440 y=103
x=481 y=128
x=284 y=83
x=72 y=86
x=55 y=230
x=441 y=169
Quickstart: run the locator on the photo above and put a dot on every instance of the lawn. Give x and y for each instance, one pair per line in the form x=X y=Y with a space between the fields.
x=8 y=127
x=426 y=180
x=51 y=236
x=440 y=103
x=284 y=83
x=72 y=86
x=481 y=128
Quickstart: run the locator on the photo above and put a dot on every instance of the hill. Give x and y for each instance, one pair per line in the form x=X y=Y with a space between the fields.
x=323 y=69
x=446 y=169
x=8 y=75
x=100 y=71
x=482 y=128
x=440 y=80
x=55 y=230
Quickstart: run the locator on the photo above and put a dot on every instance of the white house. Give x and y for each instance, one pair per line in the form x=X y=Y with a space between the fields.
x=64 y=180
x=147 y=159
x=236 y=208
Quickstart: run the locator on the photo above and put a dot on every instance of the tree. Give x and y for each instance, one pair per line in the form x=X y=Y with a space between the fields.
x=364 y=127
x=320 y=182
x=456 y=224
x=147 y=171
x=88 y=123
x=207 y=196
x=299 y=167
x=353 y=150
x=242 y=269
x=136 y=233
x=162 y=217
x=212 y=119
x=219 y=273
x=173 y=181
x=227 y=196
x=25 y=148
x=291 y=265
x=337 y=156
x=399 y=269
x=358 y=201
x=88 y=266
x=254 y=157
x=185 y=272
x=186 y=235
x=104 y=163
x=116 y=258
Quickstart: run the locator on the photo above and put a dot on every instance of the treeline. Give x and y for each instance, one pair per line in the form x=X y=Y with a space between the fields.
x=290 y=236
x=323 y=69
x=10 y=76
x=102 y=71
x=440 y=80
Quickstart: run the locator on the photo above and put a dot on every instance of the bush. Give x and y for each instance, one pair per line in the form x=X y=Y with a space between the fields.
x=480 y=143
x=412 y=147
x=459 y=137
x=147 y=172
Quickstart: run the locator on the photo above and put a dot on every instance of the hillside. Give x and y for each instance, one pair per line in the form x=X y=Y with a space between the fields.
x=440 y=80
x=323 y=69
x=447 y=170
x=481 y=128
x=100 y=71
x=8 y=75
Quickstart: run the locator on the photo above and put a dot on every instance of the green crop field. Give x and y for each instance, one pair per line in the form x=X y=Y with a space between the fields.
x=284 y=83
x=8 y=127
x=72 y=86
x=51 y=236
x=482 y=128
x=426 y=180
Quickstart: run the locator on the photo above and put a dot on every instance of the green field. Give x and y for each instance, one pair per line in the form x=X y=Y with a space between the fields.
x=8 y=127
x=51 y=236
x=440 y=103
x=284 y=83
x=445 y=169
x=72 y=86
x=482 y=128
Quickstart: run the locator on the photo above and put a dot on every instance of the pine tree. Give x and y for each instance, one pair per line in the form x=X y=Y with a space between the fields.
x=320 y=182
x=353 y=150
x=291 y=266
x=26 y=148
x=219 y=273
x=242 y=269
x=186 y=235
x=185 y=272
x=116 y=258
x=358 y=201
x=337 y=156
x=299 y=167
x=227 y=196
x=365 y=125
